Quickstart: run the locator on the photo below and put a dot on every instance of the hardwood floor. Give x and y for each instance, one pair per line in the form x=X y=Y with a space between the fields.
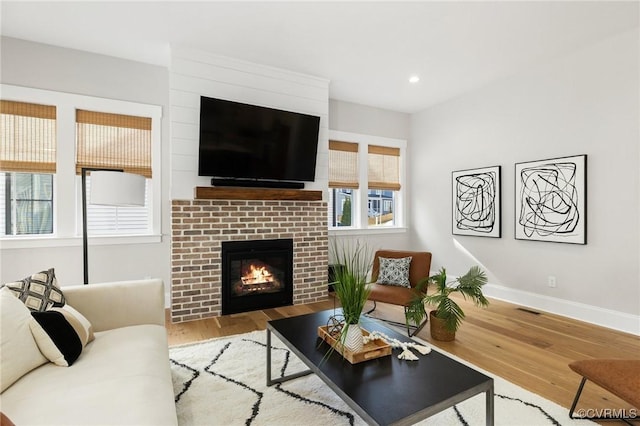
x=529 y=348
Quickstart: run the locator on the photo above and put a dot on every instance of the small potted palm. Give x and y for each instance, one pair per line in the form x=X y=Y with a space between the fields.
x=355 y=262
x=447 y=316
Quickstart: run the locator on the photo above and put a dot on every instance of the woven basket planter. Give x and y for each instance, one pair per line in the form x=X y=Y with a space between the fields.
x=439 y=330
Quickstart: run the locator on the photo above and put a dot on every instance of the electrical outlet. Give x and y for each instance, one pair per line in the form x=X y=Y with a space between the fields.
x=551 y=281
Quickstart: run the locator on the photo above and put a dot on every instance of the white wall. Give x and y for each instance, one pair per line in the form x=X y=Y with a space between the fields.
x=196 y=73
x=48 y=67
x=583 y=103
x=366 y=120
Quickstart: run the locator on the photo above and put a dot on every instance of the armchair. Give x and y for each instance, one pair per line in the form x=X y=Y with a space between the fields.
x=395 y=294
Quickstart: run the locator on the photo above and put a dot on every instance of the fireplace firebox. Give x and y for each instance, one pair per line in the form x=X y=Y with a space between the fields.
x=256 y=274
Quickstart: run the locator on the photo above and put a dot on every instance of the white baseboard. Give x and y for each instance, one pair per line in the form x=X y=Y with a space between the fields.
x=621 y=321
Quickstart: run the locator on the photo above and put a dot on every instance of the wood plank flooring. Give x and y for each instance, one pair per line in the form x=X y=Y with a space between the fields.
x=529 y=348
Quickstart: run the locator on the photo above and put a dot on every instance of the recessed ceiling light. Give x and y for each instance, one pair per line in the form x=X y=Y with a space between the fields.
x=414 y=79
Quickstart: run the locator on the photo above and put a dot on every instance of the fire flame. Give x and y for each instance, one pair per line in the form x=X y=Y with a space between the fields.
x=257 y=274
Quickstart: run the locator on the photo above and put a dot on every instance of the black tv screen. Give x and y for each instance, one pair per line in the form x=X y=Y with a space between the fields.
x=242 y=141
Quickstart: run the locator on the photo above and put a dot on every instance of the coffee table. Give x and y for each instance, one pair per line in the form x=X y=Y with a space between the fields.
x=383 y=391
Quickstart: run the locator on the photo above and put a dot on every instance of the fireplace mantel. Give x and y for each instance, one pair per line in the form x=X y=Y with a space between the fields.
x=222 y=193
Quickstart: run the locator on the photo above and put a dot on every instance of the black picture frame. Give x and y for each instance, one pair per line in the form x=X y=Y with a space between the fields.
x=476 y=202
x=551 y=200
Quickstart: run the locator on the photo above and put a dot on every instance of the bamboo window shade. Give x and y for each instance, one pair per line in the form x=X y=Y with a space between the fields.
x=384 y=168
x=113 y=141
x=343 y=165
x=28 y=137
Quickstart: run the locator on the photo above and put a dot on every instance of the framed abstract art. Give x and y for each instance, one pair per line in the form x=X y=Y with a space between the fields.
x=476 y=208
x=551 y=200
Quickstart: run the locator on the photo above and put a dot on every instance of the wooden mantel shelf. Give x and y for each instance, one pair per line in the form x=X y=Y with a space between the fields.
x=225 y=193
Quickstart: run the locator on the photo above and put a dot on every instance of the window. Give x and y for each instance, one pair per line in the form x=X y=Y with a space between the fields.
x=341 y=207
x=343 y=183
x=383 y=179
x=47 y=137
x=368 y=162
x=28 y=203
x=112 y=220
x=27 y=167
x=114 y=142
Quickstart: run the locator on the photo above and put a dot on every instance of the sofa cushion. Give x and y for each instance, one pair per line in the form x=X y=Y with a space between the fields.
x=56 y=337
x=123 y=377
x=394 y=271
x=19 y=353
x=39 y=291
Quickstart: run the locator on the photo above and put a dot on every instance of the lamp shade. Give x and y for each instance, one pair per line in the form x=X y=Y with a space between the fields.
x=112 y=188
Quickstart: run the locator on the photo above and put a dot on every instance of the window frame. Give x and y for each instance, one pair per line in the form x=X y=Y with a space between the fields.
x=360 y=198
x=67 y=228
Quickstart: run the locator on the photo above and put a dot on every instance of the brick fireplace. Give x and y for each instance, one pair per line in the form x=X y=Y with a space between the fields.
x=200 y=226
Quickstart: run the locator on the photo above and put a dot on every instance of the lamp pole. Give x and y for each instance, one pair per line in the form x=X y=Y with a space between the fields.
x=85 y=239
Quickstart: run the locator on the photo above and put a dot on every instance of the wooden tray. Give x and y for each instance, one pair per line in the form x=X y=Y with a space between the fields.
x=372 y=350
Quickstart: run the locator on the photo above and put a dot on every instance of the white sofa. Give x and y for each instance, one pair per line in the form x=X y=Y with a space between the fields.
x=122 y=377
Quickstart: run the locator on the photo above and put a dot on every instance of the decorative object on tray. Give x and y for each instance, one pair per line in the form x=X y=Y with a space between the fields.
x=551 y=200
x=371 y=350
x=448 y=315
x=395 y=344
x=375 y=344
x=335 y=324
x=356 y=260
x=476 y=202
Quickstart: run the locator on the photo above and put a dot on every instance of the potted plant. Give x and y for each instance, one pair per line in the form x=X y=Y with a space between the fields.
x=448 y=315
x=350 y=287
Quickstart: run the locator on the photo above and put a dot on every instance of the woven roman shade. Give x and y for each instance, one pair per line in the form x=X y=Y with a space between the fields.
x=28 y=137
x=113 y=141
x=343 y=165
x=384 y=168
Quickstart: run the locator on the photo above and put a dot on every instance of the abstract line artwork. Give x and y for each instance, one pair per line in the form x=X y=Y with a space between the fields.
x=476 y=202
x=551 y=200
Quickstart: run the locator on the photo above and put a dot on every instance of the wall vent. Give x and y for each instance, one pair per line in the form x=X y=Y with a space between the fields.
x=529 y=311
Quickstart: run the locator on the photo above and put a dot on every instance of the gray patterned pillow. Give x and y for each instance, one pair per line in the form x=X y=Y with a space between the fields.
x=39 y=292
x=394 y=271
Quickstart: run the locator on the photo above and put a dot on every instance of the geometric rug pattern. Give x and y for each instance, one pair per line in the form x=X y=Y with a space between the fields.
x=223 y=382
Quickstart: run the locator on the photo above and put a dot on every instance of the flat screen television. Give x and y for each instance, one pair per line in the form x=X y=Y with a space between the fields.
x=249 y=142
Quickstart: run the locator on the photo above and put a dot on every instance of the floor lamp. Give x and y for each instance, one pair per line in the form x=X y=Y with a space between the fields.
x=108 y=188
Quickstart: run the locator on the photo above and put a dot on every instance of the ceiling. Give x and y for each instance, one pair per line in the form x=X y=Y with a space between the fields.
x=368 y=50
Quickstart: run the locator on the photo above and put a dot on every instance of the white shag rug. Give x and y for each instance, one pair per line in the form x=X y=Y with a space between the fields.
x=223 y=382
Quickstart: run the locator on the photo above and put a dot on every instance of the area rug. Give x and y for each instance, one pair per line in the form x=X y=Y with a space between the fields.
x=223 y=382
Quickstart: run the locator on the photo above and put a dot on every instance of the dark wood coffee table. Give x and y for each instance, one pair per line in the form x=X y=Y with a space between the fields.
x=383 y=391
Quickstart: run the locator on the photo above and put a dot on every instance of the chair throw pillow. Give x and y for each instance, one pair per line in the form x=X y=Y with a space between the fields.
x=394 y=271
x=39 y=291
